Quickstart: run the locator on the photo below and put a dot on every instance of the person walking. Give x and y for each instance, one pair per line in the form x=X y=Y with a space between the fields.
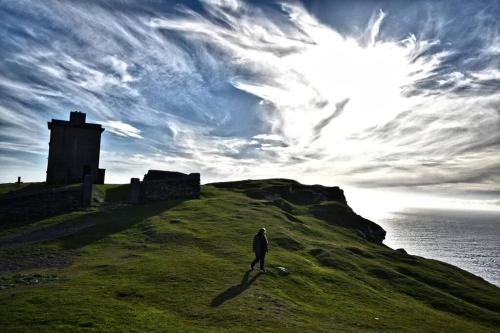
x=260 y=249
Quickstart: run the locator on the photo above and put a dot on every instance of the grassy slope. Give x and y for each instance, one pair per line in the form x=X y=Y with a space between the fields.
x=135 y=270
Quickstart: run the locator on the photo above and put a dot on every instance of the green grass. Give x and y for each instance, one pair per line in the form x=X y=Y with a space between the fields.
x=136 y=270
x=114 y=193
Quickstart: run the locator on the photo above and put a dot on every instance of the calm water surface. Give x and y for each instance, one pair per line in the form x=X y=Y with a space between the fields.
x=469 y=240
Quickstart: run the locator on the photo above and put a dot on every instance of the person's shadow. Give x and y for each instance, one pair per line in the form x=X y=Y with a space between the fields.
x=235 y=290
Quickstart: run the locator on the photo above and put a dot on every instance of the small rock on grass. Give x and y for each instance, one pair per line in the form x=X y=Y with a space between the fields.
x=282 y=271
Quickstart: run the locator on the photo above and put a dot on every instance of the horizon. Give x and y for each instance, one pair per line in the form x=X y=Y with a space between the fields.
x=396 y=104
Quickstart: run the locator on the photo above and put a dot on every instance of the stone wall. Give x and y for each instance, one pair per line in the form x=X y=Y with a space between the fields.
x=24 y=207
x=181 y=187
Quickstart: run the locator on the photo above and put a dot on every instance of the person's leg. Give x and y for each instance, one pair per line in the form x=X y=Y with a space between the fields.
x=254 y=262
x=262 y=262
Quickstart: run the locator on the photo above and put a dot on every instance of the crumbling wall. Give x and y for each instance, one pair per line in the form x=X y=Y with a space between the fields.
x=170 y=188
x=32 y=206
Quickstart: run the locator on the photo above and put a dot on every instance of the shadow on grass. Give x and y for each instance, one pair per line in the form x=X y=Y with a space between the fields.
x=12 y=225
x=235 y=290
x=113 y=221
x=119 y=193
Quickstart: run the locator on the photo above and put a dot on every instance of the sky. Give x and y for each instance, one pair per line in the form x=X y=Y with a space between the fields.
x=397 y=102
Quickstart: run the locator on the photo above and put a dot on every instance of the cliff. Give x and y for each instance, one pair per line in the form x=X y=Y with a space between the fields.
x=326 y=203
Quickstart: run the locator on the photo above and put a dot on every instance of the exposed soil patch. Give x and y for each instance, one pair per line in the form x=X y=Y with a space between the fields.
x=17 y=259
x=127 y=293
x=26 y=279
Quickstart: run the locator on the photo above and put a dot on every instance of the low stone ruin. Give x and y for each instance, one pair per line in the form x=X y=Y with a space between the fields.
x=158 y=185
x=23 y=206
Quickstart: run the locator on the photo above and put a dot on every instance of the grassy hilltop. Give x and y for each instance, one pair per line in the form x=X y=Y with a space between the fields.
x=182 y=266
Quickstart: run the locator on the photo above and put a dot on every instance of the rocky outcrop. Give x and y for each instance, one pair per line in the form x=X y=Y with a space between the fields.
x=325 y=203
x=287 y=189
x=346 y=217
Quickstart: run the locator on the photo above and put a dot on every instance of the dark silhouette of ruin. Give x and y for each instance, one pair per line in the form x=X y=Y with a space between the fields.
x=74 y=150
x=158 y=185
x=74 y=158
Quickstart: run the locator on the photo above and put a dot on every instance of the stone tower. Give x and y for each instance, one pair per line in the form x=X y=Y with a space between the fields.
x=74 y=150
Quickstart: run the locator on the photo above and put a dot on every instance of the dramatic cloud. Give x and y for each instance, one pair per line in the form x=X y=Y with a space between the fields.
x=399 y=97
x=122 y=129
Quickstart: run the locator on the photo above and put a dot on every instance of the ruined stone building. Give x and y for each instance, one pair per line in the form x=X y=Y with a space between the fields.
x=74 y=150
x=159 y=185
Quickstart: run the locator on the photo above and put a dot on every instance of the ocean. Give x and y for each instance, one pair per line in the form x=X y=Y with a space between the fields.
x=469 y=240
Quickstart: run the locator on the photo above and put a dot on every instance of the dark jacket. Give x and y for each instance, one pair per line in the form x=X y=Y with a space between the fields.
x=260 y=244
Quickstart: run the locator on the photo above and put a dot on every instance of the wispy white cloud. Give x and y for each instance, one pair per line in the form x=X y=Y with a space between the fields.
x=238 y=90
x=122 y=129
x=374 y=26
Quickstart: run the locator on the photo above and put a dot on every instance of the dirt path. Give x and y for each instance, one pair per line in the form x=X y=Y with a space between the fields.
x=45 y=234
